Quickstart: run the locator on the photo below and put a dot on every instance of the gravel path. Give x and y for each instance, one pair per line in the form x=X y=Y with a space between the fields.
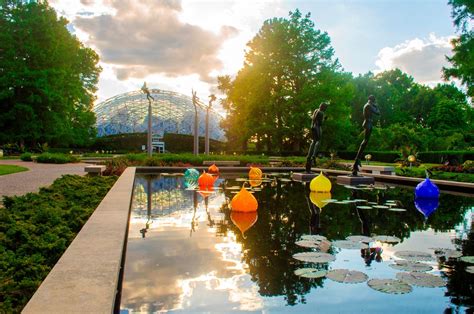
x=37 y=176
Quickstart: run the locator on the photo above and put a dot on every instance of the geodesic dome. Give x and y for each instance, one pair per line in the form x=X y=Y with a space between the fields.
x=171 y=113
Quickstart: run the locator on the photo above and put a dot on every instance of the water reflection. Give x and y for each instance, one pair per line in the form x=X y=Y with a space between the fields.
x=199 y=256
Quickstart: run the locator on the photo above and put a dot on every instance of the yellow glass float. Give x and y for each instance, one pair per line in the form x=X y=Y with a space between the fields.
x=320 y=184
x=255 y=173
x=255 y=182
x=244 y=221
x=318 y=198
x=244 y=201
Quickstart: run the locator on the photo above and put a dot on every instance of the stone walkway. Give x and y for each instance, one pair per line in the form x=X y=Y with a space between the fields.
x=37 y=176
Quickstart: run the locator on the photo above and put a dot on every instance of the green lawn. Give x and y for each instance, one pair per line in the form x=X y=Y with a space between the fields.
x=7 y=169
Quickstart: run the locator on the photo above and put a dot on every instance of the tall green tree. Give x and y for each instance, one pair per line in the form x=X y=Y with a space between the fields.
x=463 y=46
x=289 y=70
x=48 y=78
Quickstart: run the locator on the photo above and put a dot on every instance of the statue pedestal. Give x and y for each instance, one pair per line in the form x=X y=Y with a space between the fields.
x=303 y=176
x=350 y=180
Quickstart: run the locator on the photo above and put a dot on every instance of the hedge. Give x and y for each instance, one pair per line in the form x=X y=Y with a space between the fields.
x=36 y=229
x=437 y=157
x=132 y=142
x=50 y=158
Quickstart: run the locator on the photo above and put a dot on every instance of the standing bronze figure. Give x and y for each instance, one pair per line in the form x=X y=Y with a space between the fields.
x=316 y=133
x=370 y=108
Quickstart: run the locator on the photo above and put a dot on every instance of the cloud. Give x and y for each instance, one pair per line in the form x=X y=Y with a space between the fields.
x=421 y=58
x=146 y=37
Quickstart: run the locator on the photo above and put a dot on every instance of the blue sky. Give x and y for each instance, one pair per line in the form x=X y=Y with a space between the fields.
x=181 y=45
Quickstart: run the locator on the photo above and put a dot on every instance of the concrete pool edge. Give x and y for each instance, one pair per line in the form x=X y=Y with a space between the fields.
x=86 y=277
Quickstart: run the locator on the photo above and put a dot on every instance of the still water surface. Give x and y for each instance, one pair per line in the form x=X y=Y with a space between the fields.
x=186 y=252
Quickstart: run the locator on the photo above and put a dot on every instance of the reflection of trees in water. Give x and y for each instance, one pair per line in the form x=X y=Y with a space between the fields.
x=460 y=283
x=284 y=215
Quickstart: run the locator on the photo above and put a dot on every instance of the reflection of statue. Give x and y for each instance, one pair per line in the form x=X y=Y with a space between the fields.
x=316 y=132
x=370 y=108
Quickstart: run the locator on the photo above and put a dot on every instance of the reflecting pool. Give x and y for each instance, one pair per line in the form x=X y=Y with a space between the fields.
x=187 y=252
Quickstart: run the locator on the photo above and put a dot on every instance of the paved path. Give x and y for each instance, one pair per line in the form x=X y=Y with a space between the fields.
x=37 y=176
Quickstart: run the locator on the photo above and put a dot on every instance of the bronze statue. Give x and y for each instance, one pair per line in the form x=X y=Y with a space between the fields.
x=316 y=132
x=146 y=91
x=370 y=108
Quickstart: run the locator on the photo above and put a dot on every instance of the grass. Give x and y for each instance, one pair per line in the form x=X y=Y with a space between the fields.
x=8 y=169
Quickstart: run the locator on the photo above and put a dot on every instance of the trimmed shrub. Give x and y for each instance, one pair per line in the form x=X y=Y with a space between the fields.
x=51 y=158
x=26 y=157
x=36 y=229
x=451 y=157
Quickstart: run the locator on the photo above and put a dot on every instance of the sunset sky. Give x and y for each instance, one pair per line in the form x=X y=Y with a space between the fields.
x=180 y=45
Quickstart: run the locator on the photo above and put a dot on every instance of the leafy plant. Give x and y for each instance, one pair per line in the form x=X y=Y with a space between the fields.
x=50 y=158
x=26 y=157
x=35 y=230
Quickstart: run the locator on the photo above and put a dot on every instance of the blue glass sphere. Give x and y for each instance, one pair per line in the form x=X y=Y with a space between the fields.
x=191 y=174
x=426 y=206
x=426 y=189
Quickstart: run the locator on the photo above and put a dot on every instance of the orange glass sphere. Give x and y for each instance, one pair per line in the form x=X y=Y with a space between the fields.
x=205 y=180
x=213 y=169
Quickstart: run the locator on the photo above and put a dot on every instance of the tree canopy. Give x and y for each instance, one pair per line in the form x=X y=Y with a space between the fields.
x=463 y=46
x=290 y=68
x=48 y=78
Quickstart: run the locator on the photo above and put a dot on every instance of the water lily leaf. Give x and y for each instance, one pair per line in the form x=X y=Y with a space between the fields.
x=470 y=269
x=241 y=179
x=393 y=209
x=448 y=253
x=391 y=201
x=380 y=187
x=305 y=243
x=421 y=279
x=351 y=245
x=347 y=276
x=310 y=272
x=411 y=266
x=467 y=259
x=391 y=286
x=360 y=238
x=341 y=202
x=329 y=200
x=313 y=237
x=364 y=207
x=372 y=203
x=314 y=257
x=285 y=180
x=360 y=200
x=380 y=206
x=387 y=239
x=414 y=256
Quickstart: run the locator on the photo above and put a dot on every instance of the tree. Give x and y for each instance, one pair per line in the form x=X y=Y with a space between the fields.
x=463 y=58
x=48 y=78
x=289 y=70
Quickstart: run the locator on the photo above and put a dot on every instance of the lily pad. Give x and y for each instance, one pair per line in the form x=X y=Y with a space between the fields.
x=285 y=180
x=364 y=207
x=394 y=209
x=387 y=239
x=380 y=206
x=411 y=266
x=360 y=238
x=421 y=279
x=360 y=200
x=447 y=253
x=305 y=243
x=470 y=269
x=310 y=272
x=372 y=203
x=467 y=259
x=391 y=286
x=241 y=179
x=329 y=200
x=347 y=276
x=414 y=256
x=351 y=245
x=341 y=202
x=313 y=237
x=314 y=257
